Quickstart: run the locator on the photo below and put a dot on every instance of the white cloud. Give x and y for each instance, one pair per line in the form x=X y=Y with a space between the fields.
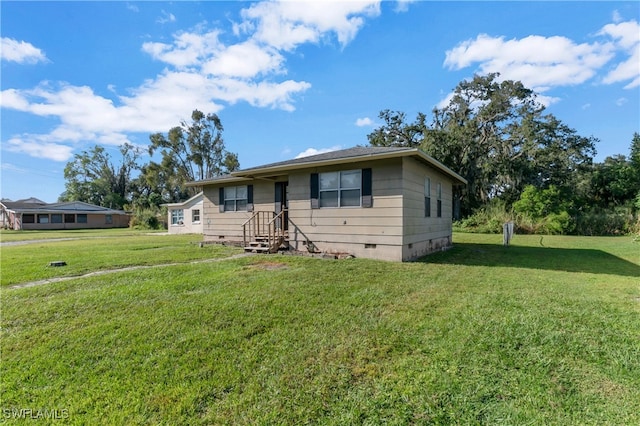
x=314 y=151
x=621 y=101
x=244 y=60
x=542 y=63
x=364 y=122
x=20 y=51
x=202 y=72
x=285 y=25
x=166 y=18
x=40 y=149
x=538 y=62
x=187 y=49
x=627 y=37
x=403 y=5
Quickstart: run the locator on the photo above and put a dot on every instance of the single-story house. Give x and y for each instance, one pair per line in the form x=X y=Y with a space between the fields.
x=185 y=217
x=385 y=203
x=32 y=213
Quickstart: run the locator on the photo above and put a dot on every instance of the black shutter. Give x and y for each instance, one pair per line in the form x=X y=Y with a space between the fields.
x=315 y=191
x=279 y=186
x=367 y=188
x=249 y=198
x=221 y=200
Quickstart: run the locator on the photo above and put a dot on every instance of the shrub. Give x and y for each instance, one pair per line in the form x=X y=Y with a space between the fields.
x=145 y=219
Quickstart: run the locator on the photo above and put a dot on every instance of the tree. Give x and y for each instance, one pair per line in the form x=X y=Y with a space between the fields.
x=495 y=135
x=190 y=152
x=397 y=132
x=92 y=177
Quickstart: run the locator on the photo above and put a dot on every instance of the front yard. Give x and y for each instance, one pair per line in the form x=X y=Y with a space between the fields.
x=543 y=332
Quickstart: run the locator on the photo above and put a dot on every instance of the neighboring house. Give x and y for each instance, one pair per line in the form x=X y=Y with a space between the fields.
x=32 y=213
x=185 y=217
x=374 y=202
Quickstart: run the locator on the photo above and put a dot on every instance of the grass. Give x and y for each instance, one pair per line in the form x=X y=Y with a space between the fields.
x=7 y=236
x=481 y=334
x=29 y=262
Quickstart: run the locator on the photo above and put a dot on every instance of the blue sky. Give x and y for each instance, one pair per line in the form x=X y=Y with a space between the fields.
x=292 y=78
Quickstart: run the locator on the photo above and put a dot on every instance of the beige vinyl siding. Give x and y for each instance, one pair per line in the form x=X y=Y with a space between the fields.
x=394 y=228
x=425 y=234
x=349 y=229
x=227 y=226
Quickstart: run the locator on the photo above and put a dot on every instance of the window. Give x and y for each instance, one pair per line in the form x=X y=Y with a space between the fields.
x=195 y=215
x=82 y=218
x=340 y=189
x=28 y=218
x=177 y=217
x=439 y=195
x=235 y=198
x=108 y=219
x=43 y=218
x=427 y=197
x=56 y=218
x=69 y=218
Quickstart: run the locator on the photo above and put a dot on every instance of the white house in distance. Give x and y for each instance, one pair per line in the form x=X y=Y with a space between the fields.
x=386 y=203
x=185 y=217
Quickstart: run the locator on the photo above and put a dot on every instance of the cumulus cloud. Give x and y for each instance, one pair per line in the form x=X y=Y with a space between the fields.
x=364 y=122
x=538 y=62
x=314 y=151
x=626 y=36
x=202 y=72
x=39 y=149
x=543 y=63
x=285 y=25
x=20 y=51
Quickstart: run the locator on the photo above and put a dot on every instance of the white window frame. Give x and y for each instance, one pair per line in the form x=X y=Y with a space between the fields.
x=232 y=197
x=177 y=217
x=195 y=216
x=340 y=189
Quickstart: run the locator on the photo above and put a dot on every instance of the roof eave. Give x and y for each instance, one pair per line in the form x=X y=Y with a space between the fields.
x=242 y=176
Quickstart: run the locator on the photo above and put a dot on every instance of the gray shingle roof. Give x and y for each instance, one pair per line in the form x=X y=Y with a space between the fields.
x=358 y=151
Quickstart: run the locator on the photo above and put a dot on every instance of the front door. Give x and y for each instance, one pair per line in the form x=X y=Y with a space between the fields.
x=282 y=203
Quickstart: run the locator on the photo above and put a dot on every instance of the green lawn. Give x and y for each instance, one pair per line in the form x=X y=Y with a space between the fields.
x=11 y=236
x=536 y=333
x=30 y=262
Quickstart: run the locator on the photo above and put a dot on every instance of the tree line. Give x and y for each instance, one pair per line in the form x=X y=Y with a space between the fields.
x=192 y=151
x=521 y=164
